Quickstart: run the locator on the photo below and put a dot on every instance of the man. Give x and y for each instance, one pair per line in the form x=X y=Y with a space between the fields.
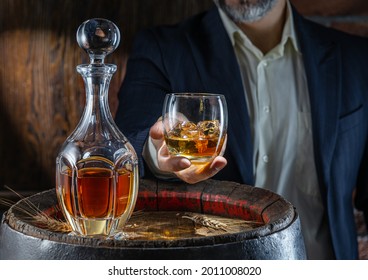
x=297 y=95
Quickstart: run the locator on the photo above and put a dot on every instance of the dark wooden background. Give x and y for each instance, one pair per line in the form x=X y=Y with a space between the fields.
x=42 y=95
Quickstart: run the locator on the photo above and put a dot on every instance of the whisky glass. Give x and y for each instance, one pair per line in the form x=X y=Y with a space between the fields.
x=195 y=125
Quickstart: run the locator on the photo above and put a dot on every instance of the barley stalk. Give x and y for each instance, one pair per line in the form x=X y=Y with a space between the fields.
x=206 y=221
x=31 y=213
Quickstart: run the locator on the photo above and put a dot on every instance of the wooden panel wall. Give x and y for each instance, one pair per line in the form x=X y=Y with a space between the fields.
x=41 y=94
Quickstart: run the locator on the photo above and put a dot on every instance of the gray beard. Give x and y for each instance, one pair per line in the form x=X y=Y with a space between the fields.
x=246 y=10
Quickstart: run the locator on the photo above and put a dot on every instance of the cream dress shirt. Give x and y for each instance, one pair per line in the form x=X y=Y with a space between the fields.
x=276 y=92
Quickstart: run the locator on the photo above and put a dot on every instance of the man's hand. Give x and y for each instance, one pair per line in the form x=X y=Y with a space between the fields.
x=181 y=166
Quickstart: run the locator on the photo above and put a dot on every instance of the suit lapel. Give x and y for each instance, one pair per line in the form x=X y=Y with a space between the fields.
x=219 y=72
x=322 y=65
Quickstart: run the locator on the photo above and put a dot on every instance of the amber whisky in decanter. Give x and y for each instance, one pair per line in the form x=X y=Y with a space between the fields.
x=97 y=168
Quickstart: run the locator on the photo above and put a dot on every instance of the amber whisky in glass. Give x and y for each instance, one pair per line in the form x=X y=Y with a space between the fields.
x=195 y=125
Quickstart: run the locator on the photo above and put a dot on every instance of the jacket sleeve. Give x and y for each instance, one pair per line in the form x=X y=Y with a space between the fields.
x=142 y=92
x=361 y=196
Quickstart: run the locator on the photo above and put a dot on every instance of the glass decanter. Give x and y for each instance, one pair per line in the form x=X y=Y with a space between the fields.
x=97 y=168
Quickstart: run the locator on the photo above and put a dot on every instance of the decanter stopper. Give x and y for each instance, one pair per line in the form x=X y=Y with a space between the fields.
x=98 y=37
x=97 y=176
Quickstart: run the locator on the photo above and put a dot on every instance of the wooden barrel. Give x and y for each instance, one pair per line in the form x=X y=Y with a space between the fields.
x=277 y=237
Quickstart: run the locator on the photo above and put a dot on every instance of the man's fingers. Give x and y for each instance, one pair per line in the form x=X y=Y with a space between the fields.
x=157 y=135
x=156 y=131
x=165 y=162
x=218 y=164
x=168 y=163
x=196 y=173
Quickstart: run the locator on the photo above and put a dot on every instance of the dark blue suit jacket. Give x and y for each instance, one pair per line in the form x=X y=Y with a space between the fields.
x=197 y=56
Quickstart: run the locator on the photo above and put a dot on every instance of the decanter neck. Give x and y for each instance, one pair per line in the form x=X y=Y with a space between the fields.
x=96 y=116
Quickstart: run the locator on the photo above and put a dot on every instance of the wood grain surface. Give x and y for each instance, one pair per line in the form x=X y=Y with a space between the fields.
x=41 y=94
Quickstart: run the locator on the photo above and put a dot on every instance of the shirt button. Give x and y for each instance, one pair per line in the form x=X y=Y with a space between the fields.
x=266 y=109
x=264 y=63
x=265 y=158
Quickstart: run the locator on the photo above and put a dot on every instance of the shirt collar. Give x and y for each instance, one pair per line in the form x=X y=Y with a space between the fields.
x=235 y=32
